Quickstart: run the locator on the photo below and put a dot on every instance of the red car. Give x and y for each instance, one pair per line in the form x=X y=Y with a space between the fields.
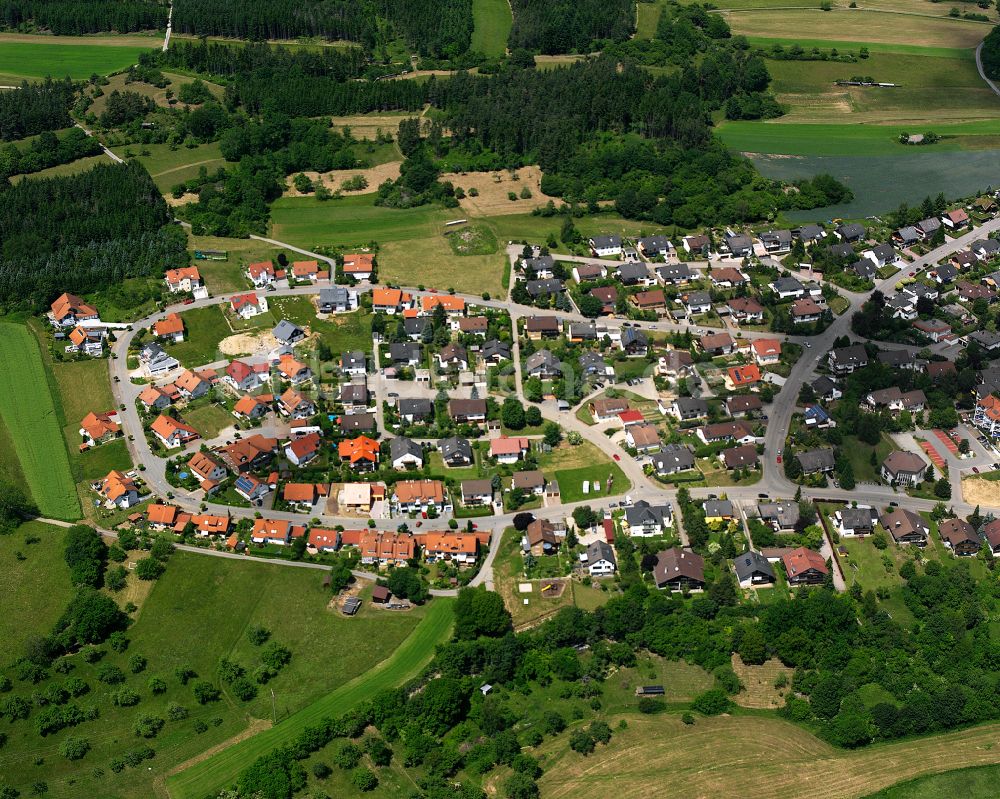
x=912 y=274
x=189 y=300
x=779 y=459
x=618 y=457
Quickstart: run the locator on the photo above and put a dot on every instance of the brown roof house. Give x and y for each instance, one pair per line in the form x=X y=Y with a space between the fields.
x=905 y=526
x=903 y=468
x=805 y=567
x=959 y=536
x=540 y=538
x=679 y=569
x=743 y=457
x=531 y=482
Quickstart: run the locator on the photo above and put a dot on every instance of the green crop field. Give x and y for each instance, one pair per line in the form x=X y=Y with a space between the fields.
x=29 y=412
x=216 y=772
x=970 y=783
x=858 y=25
x=492 y=22
x=169 y=166
x=32 y=57
x=743 y=746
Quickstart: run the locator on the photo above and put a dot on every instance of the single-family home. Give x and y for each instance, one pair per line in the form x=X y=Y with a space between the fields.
x=453 y=356
x=752 y=568
x=805 y=567
x=467 y=411
x=302 y=450
x=170 y=327
x=337 y=299
x=172 y=433
x=697 y=302
x=787 y=288
x=809 y=234
x=459 y=548
x=405 y=453
x=357 y=423
x=672 y=459
x=477 y=492
x=849 y=233
x=247 y=306
x=275 y=531
x=845 y=360
x=68 y=310
x=894 y=399
x=674 y=274
x=153 y=398
x=805 y=311
x=746 y=309
x=654 y=246
x=741 y=405
x=905 y=526
x=635 y=274
x=604 y=409
x=605 y=246
x=530 y=481
x=538 y=327
x=296 y=406
x=881 y=255
x=718 y=511
x=738 y=245
x=644 y=520
x=354 y=397
x=411 y=496
x=119 y=490
x=643 y=437
x=98 y=428
x=738 y=431
x=717 y=343
x=288 y=333
x=727 y=277
x=495 y=351
x=697 y=245
x=903 y=468
x=742 y=457
x=248 y=454
x=745 y=376
x=362 y=453
x=187 y=278
x=88 y=340
x=540 y=538
x=544 y=288
x=360 y=266
x=261 y=274
x=776 y=241
x=766 y=351
x=509 y=449
x=456 y=452
x=650 y=301
x=959 y=536
x=679 y=569
x=781 y=516
x=855 y=521
x=585 y=272
x=953 y=220
x=600 y=559
x=250 y=407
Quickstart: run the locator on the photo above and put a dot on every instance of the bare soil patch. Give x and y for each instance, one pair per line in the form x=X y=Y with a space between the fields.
x=759 y=691
x=493 y=188
x=333 y=180
x=977 y=491
x=255 y=726
x=184 y=199
x=248 y=344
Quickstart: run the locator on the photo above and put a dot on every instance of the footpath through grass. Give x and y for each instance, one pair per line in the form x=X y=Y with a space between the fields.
x=492 y=21
x=210 y=776
x=29 y=413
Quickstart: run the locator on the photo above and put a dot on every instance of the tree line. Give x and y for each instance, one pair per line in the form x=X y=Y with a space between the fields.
x=83 y=232
x=569 y=26
x=76 y=17
x=46 y=151
x=35 y=107
x=259 y=20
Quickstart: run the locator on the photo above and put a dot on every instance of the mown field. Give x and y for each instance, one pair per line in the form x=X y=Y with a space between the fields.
x=492 y=22
x=409 y=657
x=220 y=599
x=979 y=782
x=32 y=57
x=169 y=167
x=29 y=413
x=760 y=756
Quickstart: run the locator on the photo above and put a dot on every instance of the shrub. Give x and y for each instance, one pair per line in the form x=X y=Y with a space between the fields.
x=258 y=635
x=520 y=786
x=200 y=726
x=687 y=718
x=243 y=688
x=205 y=692
x=148 y=568
x=185 y=673
x=74 y=748
x=156 y=685
x=275 y=655
x=649 y=705
x=75 y=686
x=364 y=780
x=581 y=741
x=176 y=712
x=136 y=663
x=600 y=731
x=553 y=723
x=321 y=771
x=712 y=702
x=118 y=642
x=379 y=752
x=110 y=674
x=124 y=697
x=347 y=757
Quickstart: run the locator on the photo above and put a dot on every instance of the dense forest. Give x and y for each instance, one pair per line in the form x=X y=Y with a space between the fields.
x=259 y=20
x=990 y=54
x=35 y=107
x=225 y=61
x=436 y=28
x=75 y=17
x=83 y=232
x=569 y=26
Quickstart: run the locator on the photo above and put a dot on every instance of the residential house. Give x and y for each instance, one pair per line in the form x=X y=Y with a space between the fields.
x=473 y=326
x=881 y=255
x=943 y=274
x=679 y=569
x=991 y=532
x=805 y=567
x=540 y=538
x=941 y=370
x=600 y=559
x=453 y=306
x=776 y=241
x=249 y=454
x=935 y=329
x=849 y=233
x=818 y=417
x=781 y=516
x=296 y=406
x=191 y=385
x=643 y=437
x=644 y=520
x=509 y=449
x=809 y=234
x=739 y=432
x=674 y=274
x=154 y=399
x=459 y=548
x=354 y=397
x=738 y=245
x=675 y=364
x=738 y=377
x=544 y=288
x=337 y=299
x=907 y=236
x=672 y=459
x=390 y=301
x=247 y=306
x=898 y=359
x=766 y=351
x=250 y=407
x=405 y=353
x=894 y=399
x=928 y=227
x=987 y=415
x=360 y=266
x=727 y=277
x=288 y=333
x=864 y=269
x=585 y=272
x=697 y=302
x=250 y=488
x=650 y=301
x=304 y=449
x=959 y=536
x=531 y=482
x=275 y=531
x=953 y=220
x=405 y=454
x=357 y=423
x=593 y=365
x=717 y=343
x=787 y=288
x=477 y=493
x=172 y=433
x=453 y=356
x=985 y=249
x=353 y=363
x=905 y=526
x=604 y=409
x=746 y=309
x=845 y=360
x=495 y=351
x=903 y=468
x=718 y=511
x=742 y=405
x=826 y=388
x=362 y=453
x=119 y=490
x=414 y=496
x=654 y=246
x=963 y=260
x=161 y=517
x=98 y=428
x=68 y=310
x=467 y=411
x=187 y=278
x=543 y=364
x=634 y=342
x=742 y=457
x=697 y=245
x=684 y=409
x=636 y=274
x=386 y=549
x=88 y=340
x=752 y=569
x=853 y=522
x=170 y=327
x=303 y=496
x=412 y=411
x=309 y=271
x=244 y=377
x=805 y=311
x=605 y=246
x=261 y=274
x=456 y=452
x=538 y=327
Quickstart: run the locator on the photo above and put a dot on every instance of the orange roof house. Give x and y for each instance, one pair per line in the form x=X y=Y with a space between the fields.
x=153 y=397
x=250 y=407
x=261 y=271
x=183 y=279
x=322 y=539
x=99 y=427
x=303 y=493
x=741 y=376
x=206 y=525
x=461 y=547
x=119 y=489
x=305 y=270
x=70 y=308
x=412 y=494
x=161 y=515
x=766 y=350
x=80 y=335
x=172 y=432
x=359 y=263
x=383 y=298
x=451 y=304
x=170 y=326
x=360 y=451
x=291 y=369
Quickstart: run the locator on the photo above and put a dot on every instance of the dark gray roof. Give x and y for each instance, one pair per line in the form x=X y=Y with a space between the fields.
x=673 y=457
x=850 y=232
x=855 y=354
x=672 y=272
x=496 y=348
x=884 y=252
x=543 y=359
x=400 y=446
x=786 y=284
x=816 y=460
x=776 y=236
x=719 y=507
x=644 y=513
x=419 y=407
x=404 y=351
x=699 y=298
x=538 y=288
x=809 y=232
x=738 y=242
x=858 y=518
x=287 y=331
x=543 y=263
x=654 y=243
x=454 y=445
x=632 y=272
x=864 y=269
x=592 y=362
x=841 y=250
x=786 y=514
x=353 y=358
x=908 y=234
x=895 y=358
x=601 y=550
x=602 y=242
x=750 y=563
x=415 y=326
x=336 y=295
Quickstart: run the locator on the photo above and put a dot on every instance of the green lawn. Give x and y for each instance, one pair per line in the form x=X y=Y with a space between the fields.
x=196 y=613
x=492 y=21
x=647 y=18
x=209 y=420
x=204 y=328
x=35 y=590
x=169 y=166
x=211 y=775
x=350 y=331
x=29 y=411
x=860 y=457
x=979 y=782
x=38 y=57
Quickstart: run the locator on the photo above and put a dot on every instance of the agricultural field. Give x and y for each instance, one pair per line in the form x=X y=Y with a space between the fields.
x=169 y=166
x=858 y=25
x=36 y=588
x=368 y=126
x=327 y=651
x=408 y=657
x=492 y=21
x=744 y=761
x=29 y=412
x=26 y=57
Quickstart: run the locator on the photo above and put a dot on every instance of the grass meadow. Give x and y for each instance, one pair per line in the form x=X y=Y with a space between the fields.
x=31 y=57
x=204 y=329
x=979 y=782
x=492 y=22
x=210 y=775
x=169 y=166
x=29 y=412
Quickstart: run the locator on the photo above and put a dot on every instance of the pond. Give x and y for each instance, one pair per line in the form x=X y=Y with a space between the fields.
x=881 y=182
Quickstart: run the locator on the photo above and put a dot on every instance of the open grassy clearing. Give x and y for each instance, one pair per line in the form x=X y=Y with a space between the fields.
x=367 y=126
x=327 y=650
x=155 y=93
x=33 y=57
x=169 y=166
x=410 y=656
x=35 y=589
x=873 y=47
x=209 y=420
x=62 y=170
x=929 y=91
x=858 y=25
x=431 y=262
x=745 y=760
x=223 y=277
x=30 y=414
x=204 y=329
x=572 y=466
x=979 y=782
x=491 y=21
